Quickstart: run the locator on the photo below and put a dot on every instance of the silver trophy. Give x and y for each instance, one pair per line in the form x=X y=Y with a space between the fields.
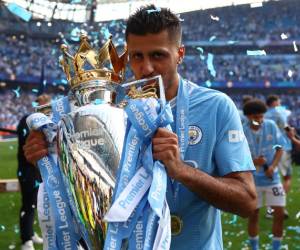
x=90 y=138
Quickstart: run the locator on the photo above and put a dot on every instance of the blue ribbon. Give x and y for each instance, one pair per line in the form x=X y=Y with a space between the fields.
x=144 y=117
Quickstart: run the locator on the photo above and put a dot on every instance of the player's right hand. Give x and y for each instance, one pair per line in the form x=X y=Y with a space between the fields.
x=259 y=161
x=36 y=147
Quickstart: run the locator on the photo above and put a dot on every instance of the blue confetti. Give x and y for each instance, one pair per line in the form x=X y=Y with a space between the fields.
x=200 y=49
x=37 y=184
x=64 y=81
x=35 y=91
x=44 y=82
x=210 y=66
x=256 y=53
x=19 y=173
x=208 y=83
x=98 y=101
x=24 y=131
x=19 y=11
x=212 y=38
x=231 y=73
x=2 y=228
x=34 y=104
x=154 y=10
x=105 y=32
x=17 y=92
x=231 y=42
x=75 y=34
x=234 y=219
x=294 y=228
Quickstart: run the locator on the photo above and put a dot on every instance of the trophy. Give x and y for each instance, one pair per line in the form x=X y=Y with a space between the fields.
x=90 y=137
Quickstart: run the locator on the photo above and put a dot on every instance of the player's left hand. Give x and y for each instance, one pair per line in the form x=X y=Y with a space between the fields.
x=166 y=149
x=269 y=172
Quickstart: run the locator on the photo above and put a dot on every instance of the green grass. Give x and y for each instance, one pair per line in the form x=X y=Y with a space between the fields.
x=8 y=163
x=234 y=227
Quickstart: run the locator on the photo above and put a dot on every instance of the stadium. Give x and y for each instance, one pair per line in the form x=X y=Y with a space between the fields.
x=236 y=47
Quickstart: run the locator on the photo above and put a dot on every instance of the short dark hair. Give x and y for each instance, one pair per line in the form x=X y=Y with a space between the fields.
x=152 y=20
x=271 y=99
x=254 y=107
x=246 y=98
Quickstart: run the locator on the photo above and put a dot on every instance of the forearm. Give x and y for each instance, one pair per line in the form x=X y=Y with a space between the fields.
x=229 y=193
x=277 y=157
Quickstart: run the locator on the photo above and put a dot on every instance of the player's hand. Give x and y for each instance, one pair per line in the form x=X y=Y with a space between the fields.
x=36 y=147
x=269 y=172
x=166 y=149
x=259 y=161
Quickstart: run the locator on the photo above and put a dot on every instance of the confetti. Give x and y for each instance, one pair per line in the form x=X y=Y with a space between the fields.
x=200 y=49
x=98 y=101
x=231 y=42
x=212 y=38
x=19 y=173
x=33 y=206
x=256 y=53
x=295 y=46
x=208 y=83
x=75 y=34
x=17 y=92
x=105 y=32
x=34 y=104
x=19 y=11
x=2 y=228
x=154 y=10
x=294 y=228
x=24 y=131
x=34 y=90
x=12 y=246
x=210 y=66
x=290 y=73
x=37 y=184
x=11 y=147
x=233 y=220
x=283 y=36
x=22 y=214
x=298 y=215
x=215 y=18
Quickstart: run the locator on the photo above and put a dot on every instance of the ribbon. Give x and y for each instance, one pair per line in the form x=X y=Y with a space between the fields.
x=65 y=235
x=140 y=195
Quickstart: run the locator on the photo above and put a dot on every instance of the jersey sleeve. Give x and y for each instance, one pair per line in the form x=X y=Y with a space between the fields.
x=232 y=152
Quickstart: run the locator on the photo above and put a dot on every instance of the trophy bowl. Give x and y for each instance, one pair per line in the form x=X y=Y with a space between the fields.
x=90 y=141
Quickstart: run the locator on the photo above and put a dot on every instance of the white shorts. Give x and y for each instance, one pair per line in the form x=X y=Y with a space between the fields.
x=285 y=164
x=271 y=196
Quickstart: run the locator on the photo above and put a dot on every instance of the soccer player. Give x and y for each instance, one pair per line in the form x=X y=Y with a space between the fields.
x=215 y=171
x=265 y=142
x=280 y=118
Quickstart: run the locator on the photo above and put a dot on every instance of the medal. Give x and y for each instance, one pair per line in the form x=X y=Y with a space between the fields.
x=176 y=225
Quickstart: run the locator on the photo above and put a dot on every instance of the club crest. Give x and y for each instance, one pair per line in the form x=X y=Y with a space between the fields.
x=195 y=135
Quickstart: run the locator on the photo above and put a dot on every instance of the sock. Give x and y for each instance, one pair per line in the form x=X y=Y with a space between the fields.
x=254 y=242
x=276 y=243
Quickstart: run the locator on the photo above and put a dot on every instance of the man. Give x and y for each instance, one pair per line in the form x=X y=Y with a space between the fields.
x=265 y=142
x=280 y=118
x=245 y=99
x=216 y=169
x=29 y=179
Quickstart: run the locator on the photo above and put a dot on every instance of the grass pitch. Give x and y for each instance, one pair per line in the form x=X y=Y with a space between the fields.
x=234 y=228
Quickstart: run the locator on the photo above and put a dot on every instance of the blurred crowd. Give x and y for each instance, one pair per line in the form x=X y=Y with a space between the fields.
x=36 y=59
x=14 y=106
x=243 y=23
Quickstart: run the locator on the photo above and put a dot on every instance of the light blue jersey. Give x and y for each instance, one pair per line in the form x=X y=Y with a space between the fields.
x=263 y=143
x=277 y=115
x=217 y=146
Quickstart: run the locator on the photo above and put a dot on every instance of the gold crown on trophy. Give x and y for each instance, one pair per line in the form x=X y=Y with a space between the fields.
x=88 y=64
